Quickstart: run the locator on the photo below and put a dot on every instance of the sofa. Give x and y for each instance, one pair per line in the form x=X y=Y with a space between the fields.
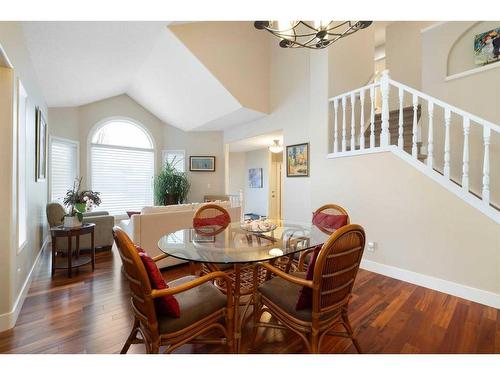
x=103 y=231
x=146 y=229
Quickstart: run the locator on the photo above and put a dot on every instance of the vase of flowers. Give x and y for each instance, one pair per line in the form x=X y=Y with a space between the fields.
x=79 y=202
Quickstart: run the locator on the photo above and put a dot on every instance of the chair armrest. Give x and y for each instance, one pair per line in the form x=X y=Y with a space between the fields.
x=156 y=293
x=100 y=220
x=159 y=257
x=302 y=259
x=286 y=276
x=95 y=213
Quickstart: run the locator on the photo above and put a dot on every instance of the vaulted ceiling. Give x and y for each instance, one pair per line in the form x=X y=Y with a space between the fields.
x=166 y=72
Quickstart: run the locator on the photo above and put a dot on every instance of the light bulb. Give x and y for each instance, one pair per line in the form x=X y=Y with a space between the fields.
x=276 y=148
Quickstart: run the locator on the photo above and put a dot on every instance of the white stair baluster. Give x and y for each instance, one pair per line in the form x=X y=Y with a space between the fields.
x=430 y=138
x=465 y=163
x=353 y=122
x=400 y=122
x=385 y=136
x=486 y=165
x=336 y=125
x=362 y=120
x=372 y=117
x=447 y=118
x=414 y=147
x=344 y=145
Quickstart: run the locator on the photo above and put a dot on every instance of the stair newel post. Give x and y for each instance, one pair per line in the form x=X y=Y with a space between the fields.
x=362 y=119
x=384 y=90
x=465 y=163
x=486 y=165
x=353 y=121
x=400 y=120
x=344 y=145
x=372 y=117
x=447 y=119
x=430 y=138
x=414 y=139
x=336 y=125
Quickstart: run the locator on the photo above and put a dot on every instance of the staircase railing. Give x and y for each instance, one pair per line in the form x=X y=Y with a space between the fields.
x=349 y=136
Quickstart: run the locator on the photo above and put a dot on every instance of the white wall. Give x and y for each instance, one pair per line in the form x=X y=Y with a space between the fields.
x=77 y=122
x=15 y=267
x=236 y=172
x=257 y=199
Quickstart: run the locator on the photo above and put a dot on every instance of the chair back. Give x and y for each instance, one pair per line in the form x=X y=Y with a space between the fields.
x=138 y=281
x=336 y=267
x=331 y=209
x=55 y=214
x=211 y=219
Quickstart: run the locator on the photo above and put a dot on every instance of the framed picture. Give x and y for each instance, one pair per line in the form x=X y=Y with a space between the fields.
x=196 y=237
x=255 y=178
x=297 y=160
x=41 y=146
x=202 y=163
x=487 y=47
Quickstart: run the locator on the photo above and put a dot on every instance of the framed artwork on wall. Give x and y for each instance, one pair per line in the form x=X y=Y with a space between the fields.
x=202 y=163
x=255 y=178
x=40 y=146
x=487 y=47
x=297 y=160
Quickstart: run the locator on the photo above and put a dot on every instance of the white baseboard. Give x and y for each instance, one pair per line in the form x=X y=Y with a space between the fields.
x=8 y=320
x=463 y=291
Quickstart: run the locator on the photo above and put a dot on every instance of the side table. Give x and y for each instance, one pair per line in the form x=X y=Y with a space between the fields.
x=73 y=260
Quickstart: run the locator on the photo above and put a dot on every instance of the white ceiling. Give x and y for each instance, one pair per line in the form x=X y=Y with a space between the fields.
x=82 y=62
x=256 y=143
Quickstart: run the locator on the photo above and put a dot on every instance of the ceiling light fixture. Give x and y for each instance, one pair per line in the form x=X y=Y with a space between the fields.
x=276 y=148
x=314 y=35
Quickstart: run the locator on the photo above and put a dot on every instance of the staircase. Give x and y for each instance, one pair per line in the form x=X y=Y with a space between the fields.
x=400 y=131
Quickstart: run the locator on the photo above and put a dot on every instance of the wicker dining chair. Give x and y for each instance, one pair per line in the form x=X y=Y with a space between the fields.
x=202 y=305
x=301 y=259
x=202 y=224
x=335 y=271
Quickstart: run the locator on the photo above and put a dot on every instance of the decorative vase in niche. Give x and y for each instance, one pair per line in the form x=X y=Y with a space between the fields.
x=72 y=222
x=81 y=207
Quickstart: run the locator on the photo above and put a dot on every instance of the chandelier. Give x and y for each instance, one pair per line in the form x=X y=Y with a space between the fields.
x=276 y=148
x=314 y=35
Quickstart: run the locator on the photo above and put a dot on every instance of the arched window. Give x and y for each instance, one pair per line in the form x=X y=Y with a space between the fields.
x=122 y=166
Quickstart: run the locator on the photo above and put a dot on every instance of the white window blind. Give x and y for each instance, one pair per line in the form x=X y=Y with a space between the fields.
x=123 y=176
x=22 y=218
x=64 y=167
x=176 y=157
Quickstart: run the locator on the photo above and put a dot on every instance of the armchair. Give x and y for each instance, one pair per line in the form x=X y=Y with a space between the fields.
x=335 y=270
x=103 y=230
x=202 y=305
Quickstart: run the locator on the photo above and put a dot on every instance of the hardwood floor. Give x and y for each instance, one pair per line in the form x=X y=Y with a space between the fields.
x=90 y=314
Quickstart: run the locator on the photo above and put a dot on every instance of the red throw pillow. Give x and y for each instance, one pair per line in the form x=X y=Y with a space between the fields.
x=130 y=213
x=166 y=305
x=221 y=220
x=327 y=221
x=305 y=294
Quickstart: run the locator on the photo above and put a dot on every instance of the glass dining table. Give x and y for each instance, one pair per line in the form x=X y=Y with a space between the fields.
x=236 y=246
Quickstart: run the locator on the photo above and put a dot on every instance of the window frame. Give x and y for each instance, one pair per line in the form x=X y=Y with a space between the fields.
x=64 y=140
x=169 y=151
x=100 y=124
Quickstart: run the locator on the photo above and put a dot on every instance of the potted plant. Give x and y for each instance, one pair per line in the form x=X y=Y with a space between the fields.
x=170 y=186
x=78 y=202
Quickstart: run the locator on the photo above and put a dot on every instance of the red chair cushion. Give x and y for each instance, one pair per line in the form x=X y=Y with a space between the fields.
x=327 y=221
x=166 y=305
x=305 y=294
x=220 y=220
